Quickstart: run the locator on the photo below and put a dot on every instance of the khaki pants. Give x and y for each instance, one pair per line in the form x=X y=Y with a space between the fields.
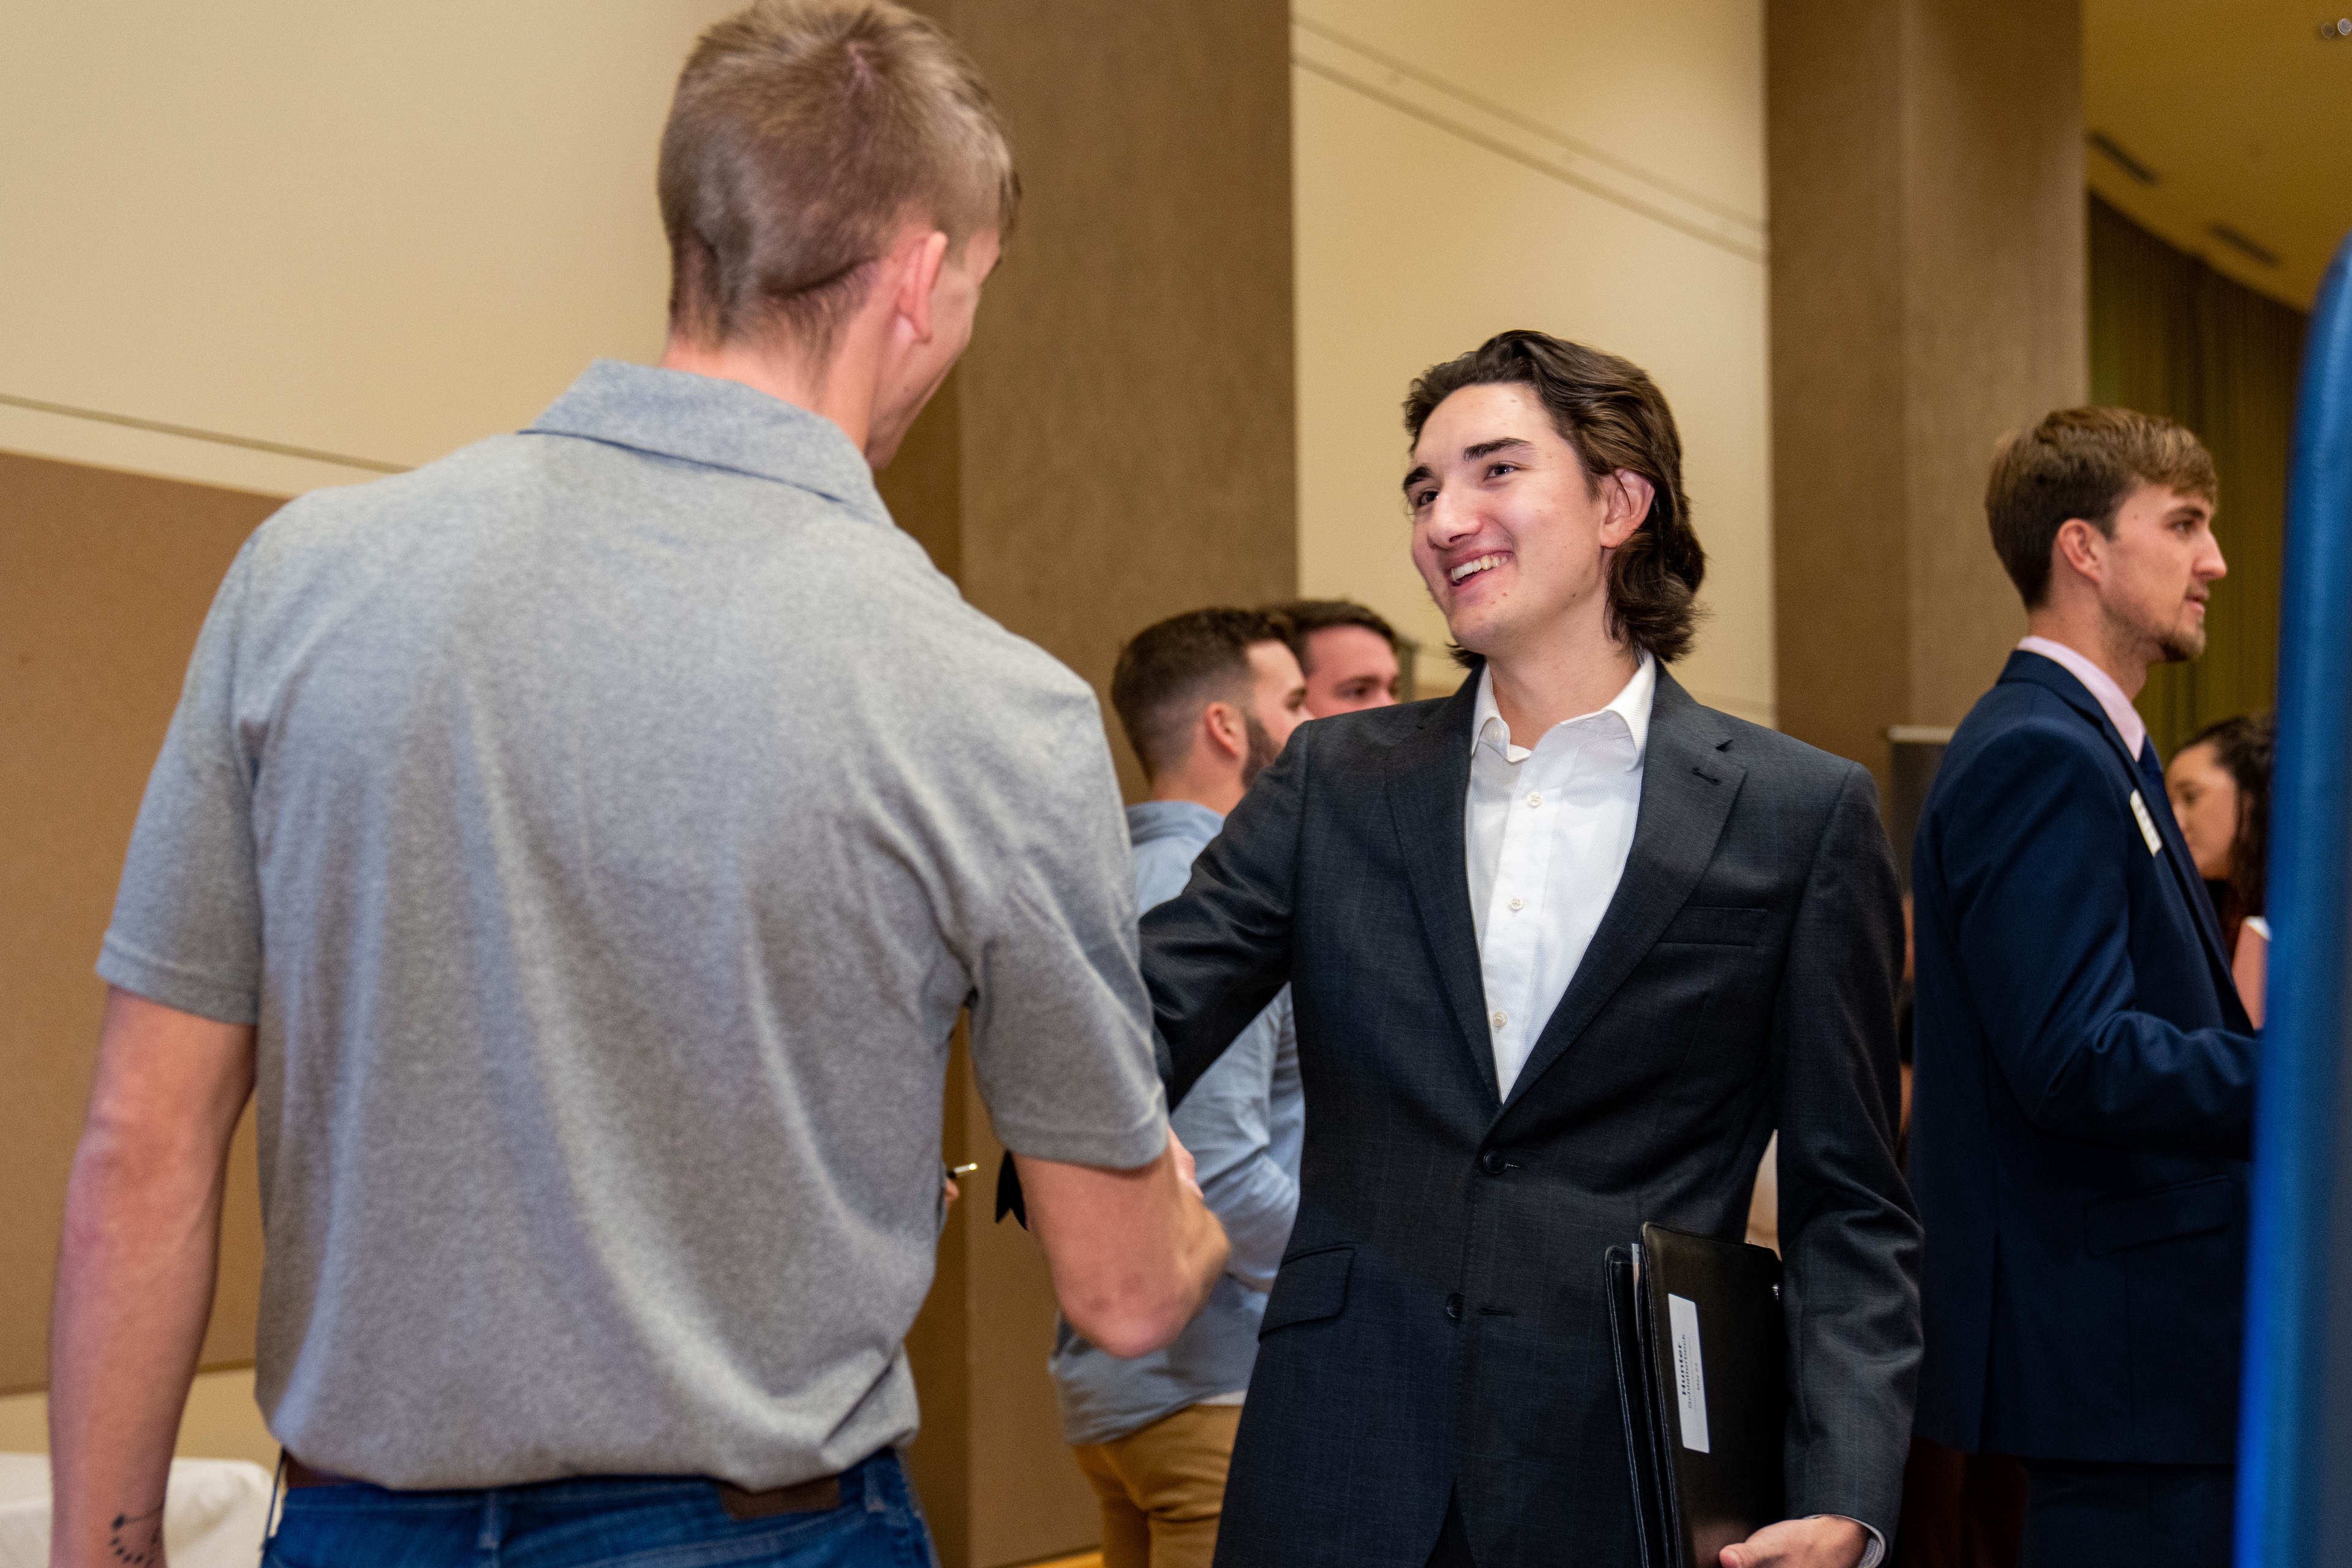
x=1162 y=1488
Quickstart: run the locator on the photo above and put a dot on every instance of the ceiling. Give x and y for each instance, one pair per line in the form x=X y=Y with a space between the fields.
x=2243 y=117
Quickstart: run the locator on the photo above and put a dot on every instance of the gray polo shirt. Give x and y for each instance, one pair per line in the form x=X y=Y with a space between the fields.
x=604 y=826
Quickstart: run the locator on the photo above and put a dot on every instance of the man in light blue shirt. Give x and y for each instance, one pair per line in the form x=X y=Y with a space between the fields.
x=1207 y=698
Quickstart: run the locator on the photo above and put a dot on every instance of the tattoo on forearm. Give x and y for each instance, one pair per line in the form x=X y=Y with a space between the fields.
x=137 y=1539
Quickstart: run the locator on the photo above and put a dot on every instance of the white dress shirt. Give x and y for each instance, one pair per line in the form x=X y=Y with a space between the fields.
x=2120 y=712
x=1546 y=836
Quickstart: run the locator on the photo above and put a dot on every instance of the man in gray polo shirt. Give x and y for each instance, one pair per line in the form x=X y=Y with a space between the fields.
x=586 y=843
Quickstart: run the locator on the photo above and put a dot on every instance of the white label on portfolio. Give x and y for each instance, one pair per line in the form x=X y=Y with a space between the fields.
x=1690 y=1372
x=2147 y=825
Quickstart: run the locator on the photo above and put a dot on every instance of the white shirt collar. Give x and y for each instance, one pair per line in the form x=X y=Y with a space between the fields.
x=1632 y=704
x=2119 y=710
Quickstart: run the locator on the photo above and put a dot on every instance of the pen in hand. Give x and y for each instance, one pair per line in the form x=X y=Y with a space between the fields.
x=954 y=1190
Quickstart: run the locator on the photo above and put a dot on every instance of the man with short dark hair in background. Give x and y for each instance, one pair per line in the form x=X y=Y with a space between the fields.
x=2086 y=1089
x=1207 y=698
x=1347 y=653
x=587 y=843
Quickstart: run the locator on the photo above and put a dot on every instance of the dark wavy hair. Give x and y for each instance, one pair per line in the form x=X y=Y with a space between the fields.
x=2243 y=746
x=1614 y=416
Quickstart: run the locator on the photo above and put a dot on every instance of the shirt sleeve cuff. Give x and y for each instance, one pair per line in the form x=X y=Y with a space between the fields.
x=175 y=985
x=1874 y=1551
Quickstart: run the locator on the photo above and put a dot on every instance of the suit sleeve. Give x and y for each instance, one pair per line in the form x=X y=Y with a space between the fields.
x=2034 y=854
x=1214 y=955
x=1849 y=1241
x=1226 y=1122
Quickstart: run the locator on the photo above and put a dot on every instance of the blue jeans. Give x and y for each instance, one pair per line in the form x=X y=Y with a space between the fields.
x=644 y=1521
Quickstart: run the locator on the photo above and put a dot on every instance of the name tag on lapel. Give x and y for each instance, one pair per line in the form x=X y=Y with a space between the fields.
x=2147 y=825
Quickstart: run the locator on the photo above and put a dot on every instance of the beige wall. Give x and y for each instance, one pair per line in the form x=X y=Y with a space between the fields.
x=369 y=232
x=1592 y=170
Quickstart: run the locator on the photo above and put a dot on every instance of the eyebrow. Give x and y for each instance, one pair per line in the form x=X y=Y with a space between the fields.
x=1471 y=454
x=1488 y=448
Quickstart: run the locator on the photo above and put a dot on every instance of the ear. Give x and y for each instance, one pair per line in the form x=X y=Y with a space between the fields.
x=2083 y=547
x=914 y=265
x=1222 y=730
x=1629 y=496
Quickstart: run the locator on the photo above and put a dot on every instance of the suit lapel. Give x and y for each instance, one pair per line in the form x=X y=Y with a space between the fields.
x=1688 y=782
x=2160 y=809
x=1428 y=793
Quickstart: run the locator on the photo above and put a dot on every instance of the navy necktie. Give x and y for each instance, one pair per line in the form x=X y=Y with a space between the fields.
x=2159 y=807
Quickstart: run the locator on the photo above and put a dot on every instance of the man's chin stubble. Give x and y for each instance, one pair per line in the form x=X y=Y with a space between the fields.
x=2181 y=646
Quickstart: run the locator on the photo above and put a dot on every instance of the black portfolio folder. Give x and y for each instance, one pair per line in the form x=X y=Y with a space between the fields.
x=1700 y=1357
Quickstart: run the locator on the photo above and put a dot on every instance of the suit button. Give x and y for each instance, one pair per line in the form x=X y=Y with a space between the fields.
x=1493 y=1163
x=1453 y=1306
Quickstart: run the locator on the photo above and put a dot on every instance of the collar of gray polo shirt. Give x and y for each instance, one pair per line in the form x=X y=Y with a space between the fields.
x=717 y=423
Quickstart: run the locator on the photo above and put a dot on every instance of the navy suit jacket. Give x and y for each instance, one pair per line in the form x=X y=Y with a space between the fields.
x=2084 y=1105
x=1438 y=1324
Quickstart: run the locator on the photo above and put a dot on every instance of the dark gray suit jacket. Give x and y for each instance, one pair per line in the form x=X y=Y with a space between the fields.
x=1438 y=1323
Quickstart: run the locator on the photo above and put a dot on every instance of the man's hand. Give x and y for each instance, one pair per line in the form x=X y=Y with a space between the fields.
x=135 y=1272
x=1133 y=1252
x=1188 y=1169
x=1825 y=1540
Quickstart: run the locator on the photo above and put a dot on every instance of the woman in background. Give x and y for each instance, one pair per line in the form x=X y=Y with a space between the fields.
x=2219 y=782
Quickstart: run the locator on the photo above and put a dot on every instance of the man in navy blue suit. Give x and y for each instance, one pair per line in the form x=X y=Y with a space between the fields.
x=2085 y=1074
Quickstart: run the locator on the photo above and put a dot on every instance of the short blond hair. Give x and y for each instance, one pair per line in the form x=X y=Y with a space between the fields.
x=804 y=135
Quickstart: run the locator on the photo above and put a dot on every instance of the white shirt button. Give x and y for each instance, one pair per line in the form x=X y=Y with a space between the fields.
x=1517 y=904
x=1499 y=1019
x=1535 y=798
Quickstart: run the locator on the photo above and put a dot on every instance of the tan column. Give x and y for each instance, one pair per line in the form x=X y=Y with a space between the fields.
x=1926 y=297
x=1117 y=446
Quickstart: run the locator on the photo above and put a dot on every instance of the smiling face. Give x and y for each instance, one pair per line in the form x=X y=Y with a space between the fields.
x=1509 y=532
x=2157 y=571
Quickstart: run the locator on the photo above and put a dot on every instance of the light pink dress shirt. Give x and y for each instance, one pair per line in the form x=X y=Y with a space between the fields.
x=2119 y=709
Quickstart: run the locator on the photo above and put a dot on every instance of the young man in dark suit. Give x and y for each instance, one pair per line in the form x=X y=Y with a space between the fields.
x=1566 y=947
x=2086 y=1089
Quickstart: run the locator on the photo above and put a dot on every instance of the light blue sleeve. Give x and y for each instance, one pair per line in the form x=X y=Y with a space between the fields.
x=1228 y=1121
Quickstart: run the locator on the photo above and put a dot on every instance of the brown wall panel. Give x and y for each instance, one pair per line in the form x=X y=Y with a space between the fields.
x=1927 y=298
x=1838 y=554
x=104 y=580
x=1996 y=325
x=1127 y=412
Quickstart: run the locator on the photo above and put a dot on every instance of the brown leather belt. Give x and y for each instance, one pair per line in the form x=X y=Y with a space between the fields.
x=819 y=1495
